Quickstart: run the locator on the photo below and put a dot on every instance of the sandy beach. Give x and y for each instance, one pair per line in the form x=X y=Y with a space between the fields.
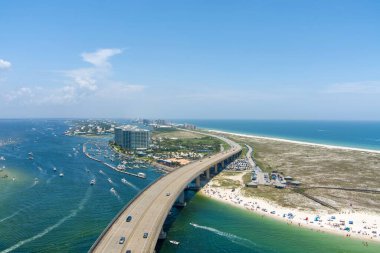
x=298 y=142
x=347 y=223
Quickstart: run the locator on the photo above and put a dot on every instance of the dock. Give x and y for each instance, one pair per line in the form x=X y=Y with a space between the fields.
x=84 y=149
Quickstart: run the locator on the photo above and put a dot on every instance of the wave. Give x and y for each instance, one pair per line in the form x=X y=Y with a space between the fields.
x=231 y=237
x=124 y=181
x=72 y=214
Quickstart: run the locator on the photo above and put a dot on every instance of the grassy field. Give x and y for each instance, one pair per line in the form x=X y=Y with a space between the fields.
x=317 y=166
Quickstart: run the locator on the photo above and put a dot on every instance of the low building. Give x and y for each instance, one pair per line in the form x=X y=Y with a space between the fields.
x=132 y=137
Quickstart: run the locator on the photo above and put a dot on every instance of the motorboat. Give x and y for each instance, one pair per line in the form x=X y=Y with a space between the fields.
x=92 y=182
x=54 y=169
x=61 y=174
x=142 y=175
x=173 y=242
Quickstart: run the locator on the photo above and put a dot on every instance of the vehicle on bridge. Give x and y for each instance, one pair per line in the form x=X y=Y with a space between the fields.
x=129 y=218
x=122 y=240
x=145 y=235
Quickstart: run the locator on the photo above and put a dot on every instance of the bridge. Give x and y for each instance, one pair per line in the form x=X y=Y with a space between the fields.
x=150 y=207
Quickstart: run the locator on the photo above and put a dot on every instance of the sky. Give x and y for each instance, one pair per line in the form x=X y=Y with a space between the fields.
x=190 y=59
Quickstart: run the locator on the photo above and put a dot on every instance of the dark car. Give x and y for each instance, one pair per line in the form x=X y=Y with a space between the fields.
x=122 y=240
x=128 y=251
x=129 y=218
x=145 y=235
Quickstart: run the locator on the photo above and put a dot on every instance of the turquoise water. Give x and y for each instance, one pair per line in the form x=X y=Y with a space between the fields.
x=206 y=225
x=56 y=214
x=66 y=214
x=357 y=134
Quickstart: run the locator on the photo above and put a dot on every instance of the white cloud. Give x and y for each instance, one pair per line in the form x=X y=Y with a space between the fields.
x=85 y=78
x=100 y=57
x=365 y=87
x=88 y=78
x=5 y=64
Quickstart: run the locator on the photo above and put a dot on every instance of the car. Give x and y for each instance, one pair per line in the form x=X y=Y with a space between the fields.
x=129 y=218
x=168 y=194
x=128 y=251
x=145 y=235
x=122 y=240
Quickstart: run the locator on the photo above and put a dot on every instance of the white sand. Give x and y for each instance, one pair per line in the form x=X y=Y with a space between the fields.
x=298 y=142
x=364 y=224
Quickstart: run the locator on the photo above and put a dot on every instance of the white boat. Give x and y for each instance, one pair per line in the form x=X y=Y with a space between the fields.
x=54 y=169
x=124 y=181
x=61 y=174
x=2 y=158
x=173 y=242
x=112 y=190
x=121 y=167
x=142 y=175
x=92 y=182
x=110 y=180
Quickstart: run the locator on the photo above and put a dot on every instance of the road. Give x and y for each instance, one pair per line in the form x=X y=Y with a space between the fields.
x=150 y=209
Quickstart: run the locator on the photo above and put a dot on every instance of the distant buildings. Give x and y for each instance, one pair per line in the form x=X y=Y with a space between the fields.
x=131 y=137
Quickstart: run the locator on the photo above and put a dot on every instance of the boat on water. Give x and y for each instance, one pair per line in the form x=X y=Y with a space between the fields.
x=92 y=182
x=173 y=242
x=54 y=169
x=2 y=158
x=124 y=181
x=121 y=167
x=110 y=180
x=30 y=153
x=113 y=190
x=61 y=174
x=142 y=175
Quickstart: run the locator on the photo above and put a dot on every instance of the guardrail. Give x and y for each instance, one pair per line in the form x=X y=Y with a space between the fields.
x=120 y=213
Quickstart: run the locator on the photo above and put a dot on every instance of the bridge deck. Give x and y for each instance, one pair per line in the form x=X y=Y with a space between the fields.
x=150 y=208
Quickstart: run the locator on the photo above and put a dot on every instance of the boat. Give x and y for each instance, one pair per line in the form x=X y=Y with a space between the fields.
x=112 y=190
x=121 y=167
x=54 y=169
x=110 y=180
x=173 y=242
x=142 y=175
x=2 y=158
x=92 y=182
x=61 y=174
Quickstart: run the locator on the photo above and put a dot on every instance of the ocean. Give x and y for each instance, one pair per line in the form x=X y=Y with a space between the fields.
x=354 y=134
x=43 y=212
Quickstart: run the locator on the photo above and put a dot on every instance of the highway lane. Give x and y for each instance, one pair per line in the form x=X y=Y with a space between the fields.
x=150 y=208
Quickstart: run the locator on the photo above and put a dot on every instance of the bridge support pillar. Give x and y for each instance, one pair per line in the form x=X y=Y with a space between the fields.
x=208 y=173
x=198 y=181
x=216 y=168
x=181 y=200
x=162 y=235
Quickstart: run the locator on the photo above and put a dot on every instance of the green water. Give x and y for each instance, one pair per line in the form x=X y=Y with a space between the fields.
x=206 y=225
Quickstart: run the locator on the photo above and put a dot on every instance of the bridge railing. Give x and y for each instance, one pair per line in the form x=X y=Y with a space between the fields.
x=120 y=213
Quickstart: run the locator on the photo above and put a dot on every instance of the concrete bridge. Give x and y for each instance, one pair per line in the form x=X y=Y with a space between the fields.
x=150 y=207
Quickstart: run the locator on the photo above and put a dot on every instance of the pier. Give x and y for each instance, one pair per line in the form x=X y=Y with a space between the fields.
x=84 y=149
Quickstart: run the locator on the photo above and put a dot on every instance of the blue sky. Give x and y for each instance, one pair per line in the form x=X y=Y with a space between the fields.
x=190 y=59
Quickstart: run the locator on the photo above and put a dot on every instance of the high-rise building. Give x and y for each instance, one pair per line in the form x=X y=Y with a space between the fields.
x=131 y=137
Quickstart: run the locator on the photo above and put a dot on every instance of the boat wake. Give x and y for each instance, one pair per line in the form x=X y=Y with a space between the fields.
x=72 y=214
x=114 y=192
x=231 y=237
x=49 y=180
x=124 y=181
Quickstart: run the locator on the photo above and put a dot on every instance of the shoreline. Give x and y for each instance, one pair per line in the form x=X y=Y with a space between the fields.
x=257 y=206
x=328 y=146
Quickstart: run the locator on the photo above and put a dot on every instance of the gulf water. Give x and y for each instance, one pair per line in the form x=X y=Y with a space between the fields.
x=356 y=134
x=43 y=212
